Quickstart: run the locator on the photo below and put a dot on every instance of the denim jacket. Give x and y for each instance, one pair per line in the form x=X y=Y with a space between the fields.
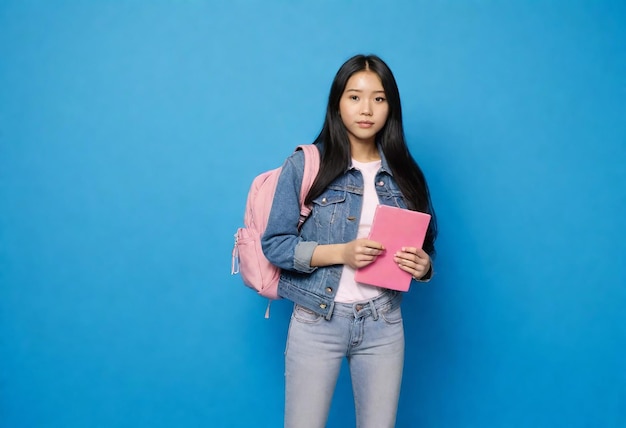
x=334 y=219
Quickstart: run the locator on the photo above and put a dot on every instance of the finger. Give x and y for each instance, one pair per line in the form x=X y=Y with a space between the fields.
x=416 y=268
x=417 y=272
x=372 y=244
x=422 y=254
x=407 y=256
x=363 y=261
x=409 y=263
x=416 y=251
x=371 y=251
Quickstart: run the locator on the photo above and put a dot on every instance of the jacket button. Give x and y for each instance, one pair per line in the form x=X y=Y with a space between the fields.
x=323 y=305
x=323 y=200
x=329 y=290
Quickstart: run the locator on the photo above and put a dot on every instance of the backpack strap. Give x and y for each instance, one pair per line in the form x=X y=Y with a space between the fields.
x=311 y=168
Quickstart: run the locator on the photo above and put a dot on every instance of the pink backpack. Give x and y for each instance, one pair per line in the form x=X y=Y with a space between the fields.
x=248 y=258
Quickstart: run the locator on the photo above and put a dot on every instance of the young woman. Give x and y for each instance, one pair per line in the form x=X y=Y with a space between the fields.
x=364 y=162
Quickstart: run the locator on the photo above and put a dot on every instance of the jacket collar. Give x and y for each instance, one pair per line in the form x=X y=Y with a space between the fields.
x=384 y=166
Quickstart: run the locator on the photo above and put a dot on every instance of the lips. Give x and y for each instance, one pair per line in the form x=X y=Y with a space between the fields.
x=365 y=124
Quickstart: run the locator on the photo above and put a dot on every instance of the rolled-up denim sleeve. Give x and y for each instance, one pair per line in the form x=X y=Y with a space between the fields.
x=302 y=256
x=281 y=242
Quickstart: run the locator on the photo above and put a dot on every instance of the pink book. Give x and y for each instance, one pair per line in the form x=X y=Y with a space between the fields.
x=394 y=228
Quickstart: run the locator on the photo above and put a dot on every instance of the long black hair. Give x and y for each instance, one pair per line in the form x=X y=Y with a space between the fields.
x=336 y=156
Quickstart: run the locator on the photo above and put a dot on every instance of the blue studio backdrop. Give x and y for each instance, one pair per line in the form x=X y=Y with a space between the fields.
x=130 y=132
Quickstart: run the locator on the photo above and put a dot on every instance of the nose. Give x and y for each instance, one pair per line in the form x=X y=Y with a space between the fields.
x=366 y=108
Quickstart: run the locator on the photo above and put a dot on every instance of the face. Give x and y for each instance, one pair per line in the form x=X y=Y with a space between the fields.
x=363 y=107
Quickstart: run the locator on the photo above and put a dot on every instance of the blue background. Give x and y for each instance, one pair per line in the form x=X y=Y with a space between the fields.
x=131 y=130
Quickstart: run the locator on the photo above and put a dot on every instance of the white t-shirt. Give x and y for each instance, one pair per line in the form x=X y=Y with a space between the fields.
x=349 y=290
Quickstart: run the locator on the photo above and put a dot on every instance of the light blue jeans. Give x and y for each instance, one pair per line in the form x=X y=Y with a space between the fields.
x=371 y=336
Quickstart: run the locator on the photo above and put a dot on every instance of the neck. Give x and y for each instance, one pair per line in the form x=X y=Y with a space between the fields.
x=364 y=152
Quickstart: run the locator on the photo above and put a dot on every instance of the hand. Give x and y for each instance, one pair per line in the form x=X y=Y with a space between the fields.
x=361 y=252
x=413 y=260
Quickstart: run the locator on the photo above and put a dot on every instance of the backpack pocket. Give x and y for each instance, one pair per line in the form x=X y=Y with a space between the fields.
x=256 y=271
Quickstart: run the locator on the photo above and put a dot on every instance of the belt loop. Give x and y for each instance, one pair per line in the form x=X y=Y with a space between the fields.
x=330 y=311
x=374 y=311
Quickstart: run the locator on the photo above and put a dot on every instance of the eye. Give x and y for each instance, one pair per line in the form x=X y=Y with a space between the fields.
x=354 y=97
x=380 y=99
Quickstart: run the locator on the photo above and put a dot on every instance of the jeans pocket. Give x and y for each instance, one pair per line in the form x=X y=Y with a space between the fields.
x=305 y=315
x=392 y=315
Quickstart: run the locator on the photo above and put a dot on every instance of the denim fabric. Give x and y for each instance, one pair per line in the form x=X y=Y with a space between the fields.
x=334 y=219
x=371 y=336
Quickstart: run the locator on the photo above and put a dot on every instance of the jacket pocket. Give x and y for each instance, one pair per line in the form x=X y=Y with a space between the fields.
x=327 y=207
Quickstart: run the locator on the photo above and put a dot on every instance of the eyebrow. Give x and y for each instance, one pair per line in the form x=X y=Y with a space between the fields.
x=359 y=90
